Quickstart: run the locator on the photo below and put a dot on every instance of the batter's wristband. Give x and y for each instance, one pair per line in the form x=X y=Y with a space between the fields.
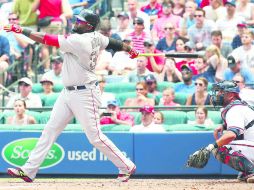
x=215 y=145
x=26 y=32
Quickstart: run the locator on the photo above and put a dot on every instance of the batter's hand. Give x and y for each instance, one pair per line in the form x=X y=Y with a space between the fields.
x=13 y=28
x=133 y=53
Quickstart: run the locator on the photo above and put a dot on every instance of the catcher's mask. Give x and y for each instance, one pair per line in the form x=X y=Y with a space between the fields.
x=220 y=89
x=86 y=21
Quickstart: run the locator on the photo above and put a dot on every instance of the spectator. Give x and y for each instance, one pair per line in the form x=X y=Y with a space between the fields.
x=158 y=118
x=201 y=117
x=122 y=27
x=187 y=86
x=27 y=17
x=170 y=72
x=215 y=10
x=225 y=48
x=188 y=17
x=57 y=12
x=203 y=70
x=141 y=98
x=217 y=63
x=6 y=8
x=56 y=72
x=78 y=5
x=153 y=9
x=155 y=63
x=200 y=33
x=141 y=71
x=167 y=16
x=241 y=27
x=227 y=24
x=114 y=115
x=168 y=96
x=151 y=83
x=235 y=66
x=47 y=85
x=25 y=88
x=105 y=96
x=245 y=9
x=4 y=57
x=121 y=63
x=138 y=36
x=246 y=90
x=147 y=122
x=246 y=52
x=20 y=118
x=134 y=12
x=200 y=96
x=168 y=43
x=178 y=7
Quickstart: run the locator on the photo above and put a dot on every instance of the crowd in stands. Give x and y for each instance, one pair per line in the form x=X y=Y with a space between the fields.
x=220 y=31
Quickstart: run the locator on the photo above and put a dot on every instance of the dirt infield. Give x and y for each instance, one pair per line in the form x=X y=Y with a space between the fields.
x=133 y=184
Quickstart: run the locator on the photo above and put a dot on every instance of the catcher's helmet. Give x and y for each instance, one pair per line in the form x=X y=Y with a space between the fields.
x=90 y=17
x=223 y=87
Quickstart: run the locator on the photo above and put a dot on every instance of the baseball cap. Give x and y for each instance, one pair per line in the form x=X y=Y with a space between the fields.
x=185 y=66
x=127 y=39
x=112 y=102
x=147 y=109
x=123 y=14
x=46 y=79
x=232 y=60
x=231 y=2
x=57 y=59
x=241 y=25
x=188 y=45
x=25 y=80
x=138 y=20
x=166 y=4
x=148 y=42
x=150 y=78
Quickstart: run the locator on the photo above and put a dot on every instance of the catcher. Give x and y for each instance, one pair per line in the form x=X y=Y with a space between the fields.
x=234 y=143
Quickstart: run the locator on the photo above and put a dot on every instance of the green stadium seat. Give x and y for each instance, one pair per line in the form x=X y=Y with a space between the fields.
x=121 y=97
x=44 y=117
x=34 y=127
x=37 y=88
x=215 y=116
x=58 y=87
x=181 y=98
x=172 y=117
x=112 y=127
x=188 y=127
x=50 y=99
x=164 y=84
x=120 y=87
x=9 y=113
x=137 y=117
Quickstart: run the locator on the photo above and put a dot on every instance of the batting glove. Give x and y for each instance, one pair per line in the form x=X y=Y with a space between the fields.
x=133 y=53
x=13 y=28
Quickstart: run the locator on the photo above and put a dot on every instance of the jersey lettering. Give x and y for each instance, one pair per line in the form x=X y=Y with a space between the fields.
x=95 y=51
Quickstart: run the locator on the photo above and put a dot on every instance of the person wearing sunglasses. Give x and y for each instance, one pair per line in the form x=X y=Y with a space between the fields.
x=80 y=97
x=200 y=96
x=25 y=93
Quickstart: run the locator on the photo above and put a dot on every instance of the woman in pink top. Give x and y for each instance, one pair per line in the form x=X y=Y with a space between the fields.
x=168 y=97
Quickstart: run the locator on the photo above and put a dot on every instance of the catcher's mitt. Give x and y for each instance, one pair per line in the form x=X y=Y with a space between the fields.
x=198 y=159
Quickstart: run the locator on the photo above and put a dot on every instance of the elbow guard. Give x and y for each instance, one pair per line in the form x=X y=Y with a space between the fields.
x=51 y=40
x=114 y=44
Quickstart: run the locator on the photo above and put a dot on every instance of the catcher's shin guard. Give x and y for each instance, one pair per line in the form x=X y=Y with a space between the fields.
x=234 y=159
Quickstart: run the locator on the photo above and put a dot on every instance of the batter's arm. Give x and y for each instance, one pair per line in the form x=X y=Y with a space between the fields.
x=118 y=45
x=48 y=39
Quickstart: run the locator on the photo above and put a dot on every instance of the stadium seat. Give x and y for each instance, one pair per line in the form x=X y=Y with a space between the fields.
x=215 y=116
x=120 y=128
x=121 y=97
x=137 y=117
x=120 y=87
x=9 y=113
x=174 y=117
x=50 y=99
x=188 y=127
x=58 y=87
x=181 y=98
x=44 y=117
x=37 y=88
x=164 y=84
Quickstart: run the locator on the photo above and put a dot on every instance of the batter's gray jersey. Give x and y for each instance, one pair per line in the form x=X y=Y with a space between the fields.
x=80 y=57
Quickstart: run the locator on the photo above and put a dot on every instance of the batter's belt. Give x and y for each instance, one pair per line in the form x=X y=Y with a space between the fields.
x=82 y=87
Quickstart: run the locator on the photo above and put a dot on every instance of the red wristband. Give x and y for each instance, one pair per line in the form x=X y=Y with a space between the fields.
x=51 y=40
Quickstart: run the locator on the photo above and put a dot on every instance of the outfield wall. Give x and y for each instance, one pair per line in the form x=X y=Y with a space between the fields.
x=154 y=154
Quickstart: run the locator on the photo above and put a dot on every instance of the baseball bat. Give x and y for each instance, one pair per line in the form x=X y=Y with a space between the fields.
x=174 y=55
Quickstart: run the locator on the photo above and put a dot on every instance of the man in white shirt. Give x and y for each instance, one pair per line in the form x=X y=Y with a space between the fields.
x=147 y=122
x=25 y=88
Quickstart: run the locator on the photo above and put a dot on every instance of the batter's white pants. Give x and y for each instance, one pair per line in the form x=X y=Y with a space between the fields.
x=84 y=105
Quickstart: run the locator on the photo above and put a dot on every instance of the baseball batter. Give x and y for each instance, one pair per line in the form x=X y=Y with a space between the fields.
x=234 y=147
x=81 y=95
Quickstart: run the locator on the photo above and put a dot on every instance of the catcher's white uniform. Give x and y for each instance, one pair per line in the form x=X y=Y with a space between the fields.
x=236 y=120
x=81 y=52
